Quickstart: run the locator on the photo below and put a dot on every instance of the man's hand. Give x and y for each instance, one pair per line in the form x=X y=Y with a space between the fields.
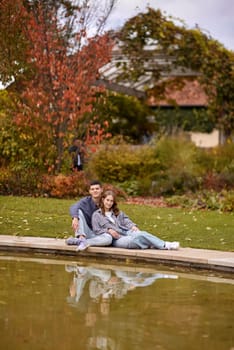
x=75 y=224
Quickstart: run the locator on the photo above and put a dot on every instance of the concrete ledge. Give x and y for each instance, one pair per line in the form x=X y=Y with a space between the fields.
x=197 y=258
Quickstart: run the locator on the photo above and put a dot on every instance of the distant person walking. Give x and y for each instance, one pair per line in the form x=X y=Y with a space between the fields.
x=77 y=150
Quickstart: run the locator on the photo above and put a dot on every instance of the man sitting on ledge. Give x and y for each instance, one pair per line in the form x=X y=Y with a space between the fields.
x=81 y=213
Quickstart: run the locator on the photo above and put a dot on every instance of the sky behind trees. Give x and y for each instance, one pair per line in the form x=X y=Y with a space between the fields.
x=215 y=17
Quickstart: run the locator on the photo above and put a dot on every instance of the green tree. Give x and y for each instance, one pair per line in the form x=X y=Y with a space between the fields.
x=157 y=45
x=20 y=147
x=124 y=114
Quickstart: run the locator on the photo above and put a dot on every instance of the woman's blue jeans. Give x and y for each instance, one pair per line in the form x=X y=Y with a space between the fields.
x=138 y=240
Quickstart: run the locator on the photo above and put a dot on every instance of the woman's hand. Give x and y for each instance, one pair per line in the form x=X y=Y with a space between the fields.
x=114 y=233
x=134 y=228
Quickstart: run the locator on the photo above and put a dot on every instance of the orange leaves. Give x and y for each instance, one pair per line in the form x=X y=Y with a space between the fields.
x=65 y=66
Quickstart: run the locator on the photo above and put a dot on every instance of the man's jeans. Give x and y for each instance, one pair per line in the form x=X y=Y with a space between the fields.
x=93 y=240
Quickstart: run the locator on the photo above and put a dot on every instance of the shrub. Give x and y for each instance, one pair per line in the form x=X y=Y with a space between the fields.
x=222 y=201
x=170 y=166
x=130 y=187
x=64 y=186
x=228 y=201
x=19 y=183
x=71 y=186
x=122 y=163
x=223 y=158
x=218 y=166
x=30 y=182
x=218 y=182
x=177 y=170
x=183 y=201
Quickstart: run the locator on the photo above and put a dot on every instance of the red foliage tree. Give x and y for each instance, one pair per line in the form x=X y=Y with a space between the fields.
x=65 y=60
x=12 y=41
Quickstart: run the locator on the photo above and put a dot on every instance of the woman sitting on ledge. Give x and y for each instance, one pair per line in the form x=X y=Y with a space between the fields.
x=109 y=219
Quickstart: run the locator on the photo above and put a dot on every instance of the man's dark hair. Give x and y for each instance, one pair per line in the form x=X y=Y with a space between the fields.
x=95 y=182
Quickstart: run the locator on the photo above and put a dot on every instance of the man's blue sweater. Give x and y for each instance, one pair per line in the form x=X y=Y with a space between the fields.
x=88 y=206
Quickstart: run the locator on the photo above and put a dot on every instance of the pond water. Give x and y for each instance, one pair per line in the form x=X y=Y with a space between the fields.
x=65 y=305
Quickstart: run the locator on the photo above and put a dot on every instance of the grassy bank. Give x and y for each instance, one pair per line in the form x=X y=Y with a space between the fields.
x=50 y=218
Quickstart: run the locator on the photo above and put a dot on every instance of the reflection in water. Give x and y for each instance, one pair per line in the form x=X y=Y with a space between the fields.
x=103 y=285
x=108 y=283
x=57 y=304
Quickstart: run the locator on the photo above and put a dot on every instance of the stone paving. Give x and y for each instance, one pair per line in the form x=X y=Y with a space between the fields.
x=197 y=258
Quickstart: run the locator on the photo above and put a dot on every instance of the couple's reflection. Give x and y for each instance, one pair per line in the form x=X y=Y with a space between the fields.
x=107 y=283
x=95 y=292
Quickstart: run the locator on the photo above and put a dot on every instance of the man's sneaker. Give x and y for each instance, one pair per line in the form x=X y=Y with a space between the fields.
x=73 y=241
x=83 y=245
x=172 y=245
x=77 y=234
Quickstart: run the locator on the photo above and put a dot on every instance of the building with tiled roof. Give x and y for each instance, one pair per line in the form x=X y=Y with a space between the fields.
x=183 y=93
x=190 y=94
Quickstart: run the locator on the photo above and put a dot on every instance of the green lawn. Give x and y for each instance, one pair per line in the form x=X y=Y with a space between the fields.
x=50 y=218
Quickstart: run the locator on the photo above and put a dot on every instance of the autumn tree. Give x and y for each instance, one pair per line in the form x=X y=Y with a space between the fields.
x=151 y=35
x=12 y=41
x=64 y=48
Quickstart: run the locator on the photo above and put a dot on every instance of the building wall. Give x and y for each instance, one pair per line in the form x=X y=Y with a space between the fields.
x=206 y=140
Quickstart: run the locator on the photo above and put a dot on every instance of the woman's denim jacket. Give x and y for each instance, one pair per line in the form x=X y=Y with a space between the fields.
x=101 y=223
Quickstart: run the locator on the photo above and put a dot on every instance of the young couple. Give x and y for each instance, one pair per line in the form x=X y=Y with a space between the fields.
x=97 y=221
